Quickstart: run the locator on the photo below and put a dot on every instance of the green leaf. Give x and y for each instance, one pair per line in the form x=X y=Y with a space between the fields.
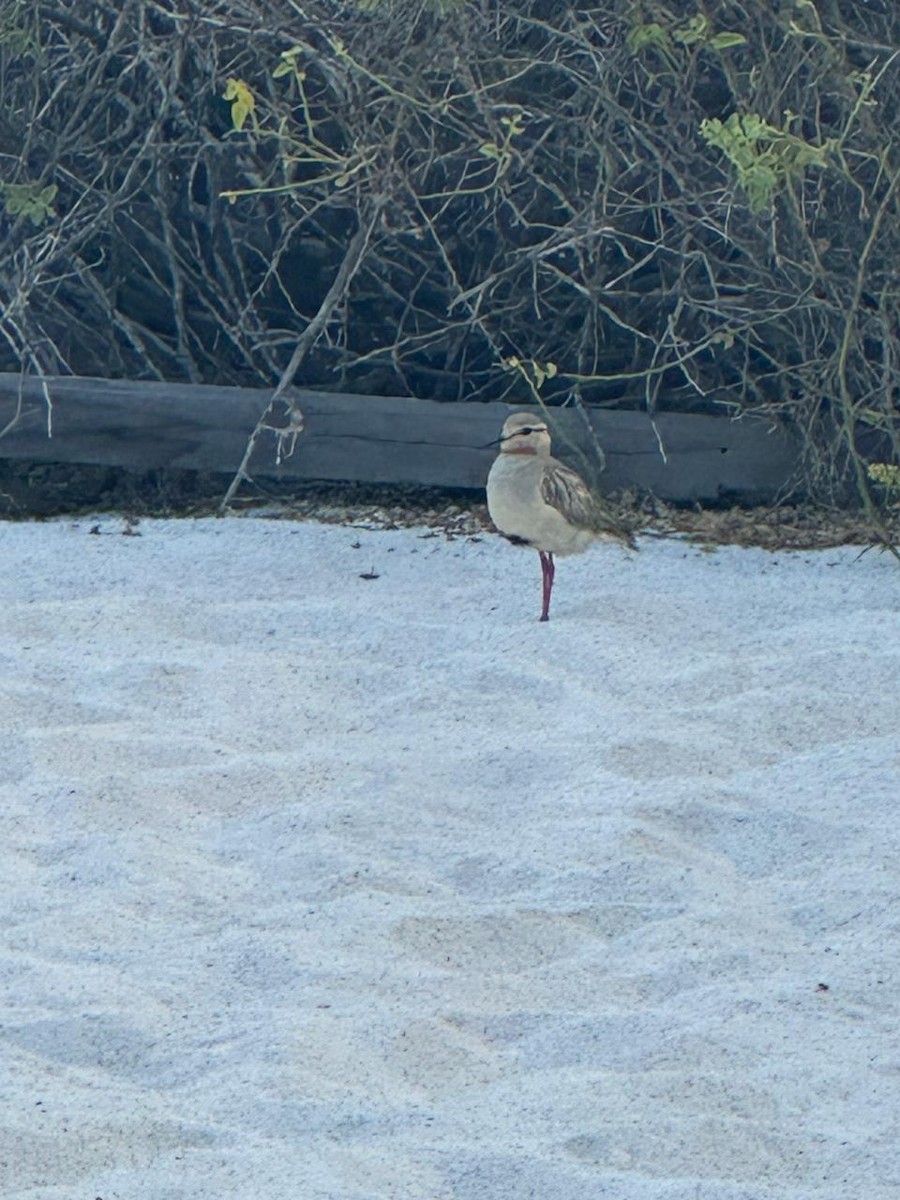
x=759 y=183
x=242 y=101
x=27 y=200
x=513 y=124
x=694 y=31
x=724 y=41
x=752 y=125
x=884 y=473
x=648 y=35
x=288 y=64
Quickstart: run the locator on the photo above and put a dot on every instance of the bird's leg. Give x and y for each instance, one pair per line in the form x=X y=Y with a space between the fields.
x=548 y=570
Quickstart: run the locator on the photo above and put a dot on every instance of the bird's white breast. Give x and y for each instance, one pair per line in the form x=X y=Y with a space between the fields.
x=519 y=511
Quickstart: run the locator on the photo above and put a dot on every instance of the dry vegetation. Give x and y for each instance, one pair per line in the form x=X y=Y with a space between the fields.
x=659 y=205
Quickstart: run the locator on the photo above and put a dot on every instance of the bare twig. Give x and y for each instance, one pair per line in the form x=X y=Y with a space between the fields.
x=336 y=294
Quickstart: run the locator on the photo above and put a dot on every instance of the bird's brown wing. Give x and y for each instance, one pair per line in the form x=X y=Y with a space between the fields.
x=565 y=490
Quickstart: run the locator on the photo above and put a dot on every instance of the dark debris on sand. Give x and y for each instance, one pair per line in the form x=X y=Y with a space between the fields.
x=36 y=490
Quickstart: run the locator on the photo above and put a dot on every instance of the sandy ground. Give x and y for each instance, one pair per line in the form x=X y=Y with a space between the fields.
x=319 y=886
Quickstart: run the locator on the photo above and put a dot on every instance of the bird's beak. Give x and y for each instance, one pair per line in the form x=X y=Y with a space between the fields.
x=495 y=442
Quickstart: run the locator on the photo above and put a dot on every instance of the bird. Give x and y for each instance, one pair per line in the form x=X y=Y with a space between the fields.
x=534 y=500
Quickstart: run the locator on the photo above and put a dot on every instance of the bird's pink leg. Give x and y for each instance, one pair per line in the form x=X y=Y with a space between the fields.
x=548 y=570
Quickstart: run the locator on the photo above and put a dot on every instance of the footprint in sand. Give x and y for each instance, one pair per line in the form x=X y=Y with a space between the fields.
x=756 y=844
x=518 y=941
x=655 y=758
x=439 y=1056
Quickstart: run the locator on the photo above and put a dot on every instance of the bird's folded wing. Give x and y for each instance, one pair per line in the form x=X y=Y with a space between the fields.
x=565 y=490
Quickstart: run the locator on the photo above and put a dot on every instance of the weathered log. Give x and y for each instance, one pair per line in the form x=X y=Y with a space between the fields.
x=382 y=439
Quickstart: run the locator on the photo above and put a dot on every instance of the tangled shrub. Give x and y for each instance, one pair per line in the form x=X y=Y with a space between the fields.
x=644 y=204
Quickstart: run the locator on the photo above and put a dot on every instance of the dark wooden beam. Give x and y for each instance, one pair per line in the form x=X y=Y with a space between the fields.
x=382 y=439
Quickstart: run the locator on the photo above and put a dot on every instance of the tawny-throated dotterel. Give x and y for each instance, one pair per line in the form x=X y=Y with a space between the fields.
x=534 y=500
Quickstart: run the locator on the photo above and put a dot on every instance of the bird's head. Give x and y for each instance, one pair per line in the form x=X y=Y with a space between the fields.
x=525 y=433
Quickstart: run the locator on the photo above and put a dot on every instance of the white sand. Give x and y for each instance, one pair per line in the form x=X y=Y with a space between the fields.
x=324 y=888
